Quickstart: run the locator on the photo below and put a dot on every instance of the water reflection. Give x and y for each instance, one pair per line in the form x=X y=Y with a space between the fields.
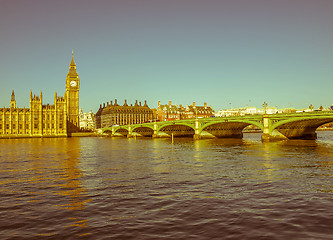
x=71 y=186
x=39 y=171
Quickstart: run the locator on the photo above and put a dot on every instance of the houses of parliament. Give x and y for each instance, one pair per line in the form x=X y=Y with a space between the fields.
x=60 y=119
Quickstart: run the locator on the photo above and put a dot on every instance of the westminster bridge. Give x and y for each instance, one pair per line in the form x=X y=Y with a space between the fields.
x=274 y=126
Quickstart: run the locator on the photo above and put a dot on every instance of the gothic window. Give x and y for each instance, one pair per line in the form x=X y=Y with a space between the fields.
x=36 y=125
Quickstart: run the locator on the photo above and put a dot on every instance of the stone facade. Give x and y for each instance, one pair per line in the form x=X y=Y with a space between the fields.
x=169 y=112
x=59 y=119
x=114 y=114
x=87 y=121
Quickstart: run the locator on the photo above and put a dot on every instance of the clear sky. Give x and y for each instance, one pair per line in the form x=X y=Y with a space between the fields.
x=228 y=53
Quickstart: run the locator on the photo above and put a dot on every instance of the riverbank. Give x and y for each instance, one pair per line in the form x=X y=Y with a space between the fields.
x=79 y=134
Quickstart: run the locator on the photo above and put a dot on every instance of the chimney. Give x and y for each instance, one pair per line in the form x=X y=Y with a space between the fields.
x=140 y=104
x=103 y=105
x=169 y=103
x=205 y=105
x=193 y=104
x=159 y=103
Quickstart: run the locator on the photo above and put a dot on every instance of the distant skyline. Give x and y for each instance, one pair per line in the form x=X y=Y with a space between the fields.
x=228 y=53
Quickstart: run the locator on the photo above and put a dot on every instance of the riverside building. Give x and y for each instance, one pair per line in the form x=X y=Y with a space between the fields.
x=87 y=121
x=114 y=114
x=59 y=119
x=169 y=112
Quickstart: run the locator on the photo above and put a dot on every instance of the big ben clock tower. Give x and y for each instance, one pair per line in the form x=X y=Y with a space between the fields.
x=72 y=98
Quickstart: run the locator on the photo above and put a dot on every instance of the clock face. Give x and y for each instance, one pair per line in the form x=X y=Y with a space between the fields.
x=72 y=83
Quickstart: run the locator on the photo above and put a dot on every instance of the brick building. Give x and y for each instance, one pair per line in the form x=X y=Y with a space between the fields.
x=168 y=112
x=114 y=114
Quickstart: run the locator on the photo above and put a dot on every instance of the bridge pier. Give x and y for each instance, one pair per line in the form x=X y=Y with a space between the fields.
x=155 y=130
x=267 y=134
x=269 y=137
x=196 y=136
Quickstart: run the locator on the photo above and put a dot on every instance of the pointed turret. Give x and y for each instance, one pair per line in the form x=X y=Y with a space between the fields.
x=72 y=64
x=72 y=68
x=12 y=100
x=13 y=96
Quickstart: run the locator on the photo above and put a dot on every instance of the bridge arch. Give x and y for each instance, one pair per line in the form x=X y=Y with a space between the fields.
x=107 y=131
x=121 y=131
x=144 y=131
x=299 y=128
x=226 y=128
x=176 y=130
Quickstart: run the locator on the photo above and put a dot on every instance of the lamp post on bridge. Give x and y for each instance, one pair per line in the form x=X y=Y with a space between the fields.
x=265 y=106
x=265 y=121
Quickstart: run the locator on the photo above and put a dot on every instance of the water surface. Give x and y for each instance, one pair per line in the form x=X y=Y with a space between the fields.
x=118 y=188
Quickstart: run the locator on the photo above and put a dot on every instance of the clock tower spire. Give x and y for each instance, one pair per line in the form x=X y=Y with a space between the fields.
x=72 y=97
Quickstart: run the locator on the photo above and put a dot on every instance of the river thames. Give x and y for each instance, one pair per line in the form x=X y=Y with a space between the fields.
x=119 y=188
